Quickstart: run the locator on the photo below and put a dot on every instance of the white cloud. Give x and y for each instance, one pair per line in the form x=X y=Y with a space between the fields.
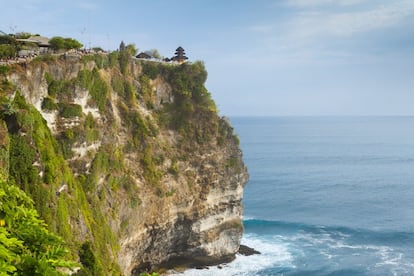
x=311 y=3
x=308 y=23
x=313 y=24
x=308 y=35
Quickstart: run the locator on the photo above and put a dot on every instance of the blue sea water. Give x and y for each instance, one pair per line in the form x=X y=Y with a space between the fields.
x=327 y=196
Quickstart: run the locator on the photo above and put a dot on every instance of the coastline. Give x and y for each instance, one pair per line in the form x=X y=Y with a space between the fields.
x=192 y=265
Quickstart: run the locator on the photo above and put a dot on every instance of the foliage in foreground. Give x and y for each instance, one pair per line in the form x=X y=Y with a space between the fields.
x=26 y=246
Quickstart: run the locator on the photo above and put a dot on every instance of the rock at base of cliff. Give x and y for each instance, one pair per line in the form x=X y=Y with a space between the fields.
x=247 y=251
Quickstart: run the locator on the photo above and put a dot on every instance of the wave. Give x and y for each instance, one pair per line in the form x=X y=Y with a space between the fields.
x=335 y=250
x=274 y=257
x=289 y=248
x=259 y=226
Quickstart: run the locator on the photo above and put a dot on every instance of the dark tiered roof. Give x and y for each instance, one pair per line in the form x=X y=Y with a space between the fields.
x=179 y=55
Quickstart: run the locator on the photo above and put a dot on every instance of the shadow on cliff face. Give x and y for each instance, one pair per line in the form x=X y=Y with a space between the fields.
x=12 y=124
x=194 y=262
x=199 y=262
x=178 y=241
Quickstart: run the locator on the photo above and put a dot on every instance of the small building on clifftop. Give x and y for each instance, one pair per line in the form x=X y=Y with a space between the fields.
x=144 y=55
x=180 y=56
x=33 y=44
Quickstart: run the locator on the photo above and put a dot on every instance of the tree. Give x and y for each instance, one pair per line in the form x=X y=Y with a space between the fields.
x=57 y=43
x=60 y=43
x=71 y=43
x=26 y=246
x=8 y=46
x=155 y=54
x=131 y=49
x=6 y=39
x=98 y=49
x=125 y=53
x=7 y=51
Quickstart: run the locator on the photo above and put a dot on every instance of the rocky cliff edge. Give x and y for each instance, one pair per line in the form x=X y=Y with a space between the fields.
x=127 y=157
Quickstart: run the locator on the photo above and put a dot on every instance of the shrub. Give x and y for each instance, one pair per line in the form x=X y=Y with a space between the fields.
x=45 y=58
x=231 y=162
x=59 y=88
x=4 y=69
x=150 y=69
x=129 y=93
x=101 y=61
x=98 y=89
x=117 y=84
x=49 y=104
x=66 y=141
x=87 y=258
x=113 y=59
x=7 y=40
x=174 y=168
x=124 y=59
x=91 y=134
x=22 y=156
x=70 y=110
x=7 y=51
x=151 y=173
x=134 y=202
x=146 y=91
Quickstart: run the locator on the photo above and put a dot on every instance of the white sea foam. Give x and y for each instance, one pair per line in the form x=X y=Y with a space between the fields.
x=381 y=258
x=273 y=254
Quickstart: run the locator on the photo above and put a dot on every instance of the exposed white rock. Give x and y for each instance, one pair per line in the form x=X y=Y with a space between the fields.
x=81 y=99
x=82 y=150
x=50 y=118
x=162 y=91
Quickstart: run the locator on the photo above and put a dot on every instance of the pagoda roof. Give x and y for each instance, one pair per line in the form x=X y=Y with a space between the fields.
x=179 y=58
x=180 y=49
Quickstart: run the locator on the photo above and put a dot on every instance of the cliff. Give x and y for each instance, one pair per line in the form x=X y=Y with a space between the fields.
x=127 y=160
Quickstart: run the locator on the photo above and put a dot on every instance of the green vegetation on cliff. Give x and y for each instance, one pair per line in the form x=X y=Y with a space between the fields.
x=100 y=159
x=27 y=247
x=37 y=165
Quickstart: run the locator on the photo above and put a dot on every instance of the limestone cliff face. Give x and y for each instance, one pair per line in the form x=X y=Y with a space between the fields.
x=145 y=158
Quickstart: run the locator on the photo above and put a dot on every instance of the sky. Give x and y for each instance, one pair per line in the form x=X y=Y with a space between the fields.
x=263 y=57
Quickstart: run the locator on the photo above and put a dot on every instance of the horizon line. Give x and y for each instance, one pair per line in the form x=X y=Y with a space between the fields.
x=355 y=116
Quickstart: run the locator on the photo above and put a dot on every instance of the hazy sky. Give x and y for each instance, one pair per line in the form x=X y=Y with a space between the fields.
x=280 y=57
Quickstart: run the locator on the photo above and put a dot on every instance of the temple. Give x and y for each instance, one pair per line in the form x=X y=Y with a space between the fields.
x=180 y=56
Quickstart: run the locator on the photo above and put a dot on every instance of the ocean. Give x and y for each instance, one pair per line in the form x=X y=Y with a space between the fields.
x=326 y=196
